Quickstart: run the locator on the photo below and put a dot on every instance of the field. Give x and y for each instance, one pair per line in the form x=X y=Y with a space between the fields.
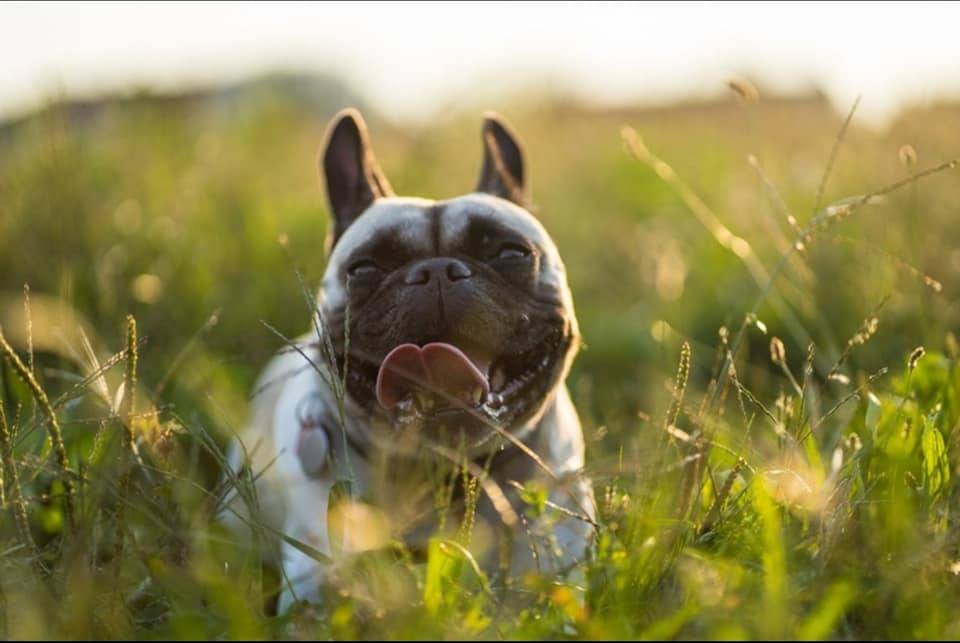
x=770 y=384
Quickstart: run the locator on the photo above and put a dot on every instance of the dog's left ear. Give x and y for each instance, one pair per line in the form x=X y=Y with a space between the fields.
x=502 y=173
x=353 y=176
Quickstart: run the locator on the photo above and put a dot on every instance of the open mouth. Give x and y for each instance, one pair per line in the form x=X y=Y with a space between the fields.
x=439 y=381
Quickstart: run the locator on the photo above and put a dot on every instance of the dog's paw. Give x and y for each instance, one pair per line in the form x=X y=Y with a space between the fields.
x=304 y=600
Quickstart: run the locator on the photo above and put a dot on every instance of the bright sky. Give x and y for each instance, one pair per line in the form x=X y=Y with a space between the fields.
x=414 y=59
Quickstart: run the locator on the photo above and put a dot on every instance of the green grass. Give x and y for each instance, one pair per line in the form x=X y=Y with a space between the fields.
x=808 y=491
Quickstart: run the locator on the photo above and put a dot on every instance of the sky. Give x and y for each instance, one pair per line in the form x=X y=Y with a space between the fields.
x=414 y=60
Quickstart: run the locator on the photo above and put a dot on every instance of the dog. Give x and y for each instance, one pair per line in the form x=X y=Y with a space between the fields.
x=443 y=334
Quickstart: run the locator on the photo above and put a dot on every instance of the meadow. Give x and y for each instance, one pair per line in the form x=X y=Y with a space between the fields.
x=769 y=386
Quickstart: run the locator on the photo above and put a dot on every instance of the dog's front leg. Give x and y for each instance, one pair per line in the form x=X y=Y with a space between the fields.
x=559 y=538
x=303 y=572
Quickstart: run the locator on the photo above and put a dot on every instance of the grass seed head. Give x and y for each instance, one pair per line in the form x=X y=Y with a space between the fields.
x=953 y=347
x=778 y=352
x=680 y=384
x=915 y=357
x=907 y=155
x=746 y=91
x=867 y=330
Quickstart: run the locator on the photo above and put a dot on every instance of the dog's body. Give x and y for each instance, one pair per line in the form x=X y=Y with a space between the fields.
x=454 y=327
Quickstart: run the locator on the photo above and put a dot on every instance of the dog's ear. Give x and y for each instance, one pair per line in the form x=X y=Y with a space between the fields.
x=353 y=177
x=502 y=173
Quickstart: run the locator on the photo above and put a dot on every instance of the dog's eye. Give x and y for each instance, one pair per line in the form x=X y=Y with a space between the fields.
x=363 y=268
x=512 y=251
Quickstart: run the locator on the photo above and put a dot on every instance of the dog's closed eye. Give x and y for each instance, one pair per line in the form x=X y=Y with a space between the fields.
x=363 y=268
x=510 y=251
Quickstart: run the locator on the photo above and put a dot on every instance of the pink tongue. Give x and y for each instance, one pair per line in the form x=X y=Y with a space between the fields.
x=437 y=368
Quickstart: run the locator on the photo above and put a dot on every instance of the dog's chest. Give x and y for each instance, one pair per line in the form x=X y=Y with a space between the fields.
x=419 y=497
x=415 y=496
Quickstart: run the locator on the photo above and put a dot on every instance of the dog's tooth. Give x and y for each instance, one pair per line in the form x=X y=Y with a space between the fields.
x=494 y=401
x=499 y=379
x=404 y=411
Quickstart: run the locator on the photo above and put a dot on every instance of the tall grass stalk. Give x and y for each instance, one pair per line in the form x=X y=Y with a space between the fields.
x=53 y=425
x=130 y=389
x=17 y=505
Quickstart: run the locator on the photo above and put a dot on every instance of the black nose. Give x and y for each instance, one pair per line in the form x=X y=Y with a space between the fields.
x=439 y=268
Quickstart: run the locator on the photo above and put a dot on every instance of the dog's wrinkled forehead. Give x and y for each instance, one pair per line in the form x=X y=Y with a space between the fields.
x=423 y=227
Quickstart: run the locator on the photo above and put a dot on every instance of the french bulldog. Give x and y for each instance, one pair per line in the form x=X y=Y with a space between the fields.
x=442 y=335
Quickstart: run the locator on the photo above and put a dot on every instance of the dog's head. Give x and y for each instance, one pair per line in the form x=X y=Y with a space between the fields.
x=456 y=314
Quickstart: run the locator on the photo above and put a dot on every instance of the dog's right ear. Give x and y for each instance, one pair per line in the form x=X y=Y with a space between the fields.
x=354 y=179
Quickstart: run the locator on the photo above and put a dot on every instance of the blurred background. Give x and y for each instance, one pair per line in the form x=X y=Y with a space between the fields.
x=160 y=159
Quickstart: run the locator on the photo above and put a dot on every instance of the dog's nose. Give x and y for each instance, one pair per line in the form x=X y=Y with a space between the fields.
x=440 y=268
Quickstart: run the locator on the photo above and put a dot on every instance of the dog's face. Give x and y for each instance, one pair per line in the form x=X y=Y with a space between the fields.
x=458 y=314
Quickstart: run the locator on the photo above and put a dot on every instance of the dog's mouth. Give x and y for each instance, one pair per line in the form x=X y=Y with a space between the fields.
x=443 y=386
x=437 y=373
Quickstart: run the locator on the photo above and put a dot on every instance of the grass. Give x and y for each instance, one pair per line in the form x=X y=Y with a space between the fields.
x=770 y=388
